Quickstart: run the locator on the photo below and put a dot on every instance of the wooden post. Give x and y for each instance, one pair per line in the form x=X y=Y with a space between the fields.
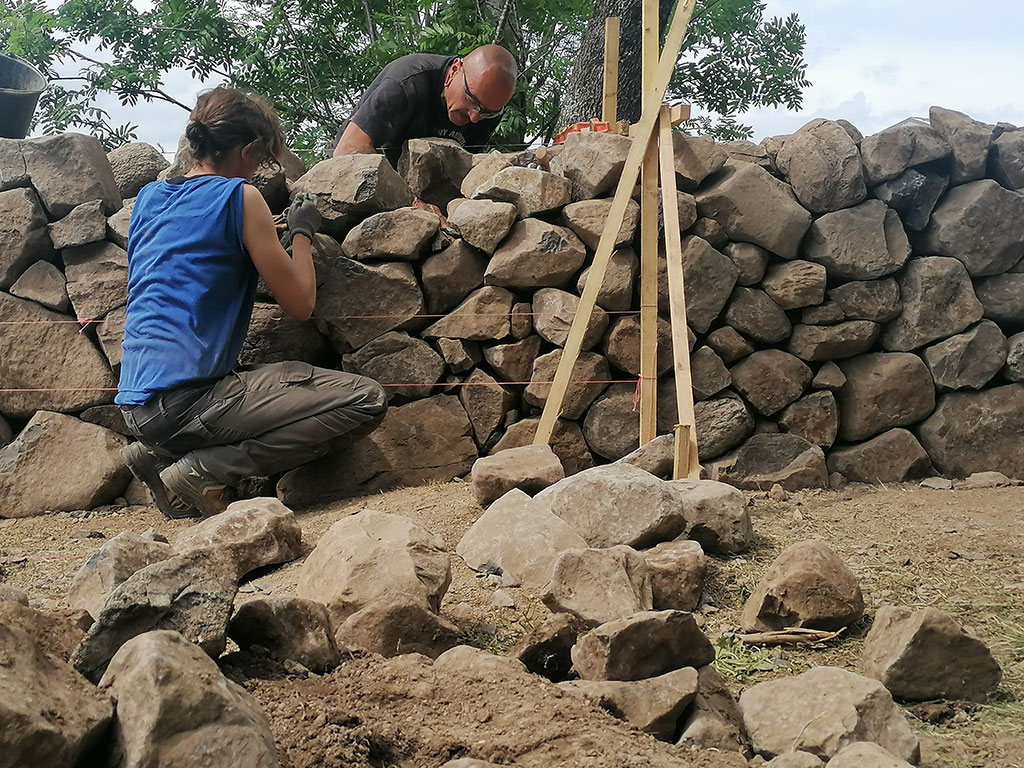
x=631 y=169
x=687 y=463
x=610 y=100
x=649 y=245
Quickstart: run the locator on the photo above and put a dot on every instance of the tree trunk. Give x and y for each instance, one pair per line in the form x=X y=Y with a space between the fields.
x=582 y=97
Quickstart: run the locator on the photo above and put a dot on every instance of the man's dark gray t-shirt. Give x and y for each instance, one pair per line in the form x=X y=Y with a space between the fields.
x=406 y=101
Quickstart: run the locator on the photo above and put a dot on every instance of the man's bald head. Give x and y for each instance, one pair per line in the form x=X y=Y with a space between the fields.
x=491 y=66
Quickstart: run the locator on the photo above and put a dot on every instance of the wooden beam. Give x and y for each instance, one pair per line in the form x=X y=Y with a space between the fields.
x=631 y=169
x=687 y=463
x=610 y=99
x=649 y=245
x=680 y=113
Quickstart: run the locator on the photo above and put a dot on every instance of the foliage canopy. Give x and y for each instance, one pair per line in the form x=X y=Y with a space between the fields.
x=313 y=58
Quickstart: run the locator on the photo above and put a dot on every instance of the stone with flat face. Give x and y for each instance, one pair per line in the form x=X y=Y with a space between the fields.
x=889 y=153
x=969 y=140
x=401 y=234
x=536 y=255
x=891 y=457
x=823 y=166
x=883 y=390
x=860 y=243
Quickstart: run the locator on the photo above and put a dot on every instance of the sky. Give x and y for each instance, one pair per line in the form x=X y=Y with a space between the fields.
x=872 y=62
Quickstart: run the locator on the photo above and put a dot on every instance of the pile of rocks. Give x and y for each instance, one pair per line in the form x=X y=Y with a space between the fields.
x=854 y=306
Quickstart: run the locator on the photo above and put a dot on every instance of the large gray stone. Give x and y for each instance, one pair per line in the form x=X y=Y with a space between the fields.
x=273 y=337
x=253 y=533
x=891 y=457
x=135 y=164
x=969 y=140
x=69 y=169
x=555 y=310
x=483 y=223
x=823 y=166
x=405 y=365
x=401 y=234
x=24 y=238
x=860 y=243
x=519 y=538
x=531 y=468
x=85 y=224
x=617 y=504
x=642 y=646
x=770 y=379
x=977 y=431
x=925 y=284
x=979 y=207
x=752 y=312
x=49 y=715
x=823 y=710
x=535 y=255
x=190 y=594
x=677 y=570
x=566 y=441
x=487 y=404
x=370 y=557
x=289 y=628
x=968 y=360
x=754 y=207
x=112 y=564
x=587 y=219
x=814 y=417
x=716 y=516
x=795 y=284
x=913 y=195
x=715 y=720
x=616 y=291
x=722 y=424
x=889 y=153
x=766 y=459
x=1005 y=163
x=349 y=188
x=599 y=585
x=44 y=284
x=832 y=342
x=751 y=260
x=450 y=276
x=592 y=162
x=434 y=168
x=97 y=278
x=875 y=300
x=622 y=344
x=484 y=315
x=1002 y=296
x=588 y=379
x=883 y=390
x=531 y=190
x=175 y=708
x=612 y=423
x=924 y=654
x=58 y=463
x=424 y=441
x=695 y=158
x=708 y=280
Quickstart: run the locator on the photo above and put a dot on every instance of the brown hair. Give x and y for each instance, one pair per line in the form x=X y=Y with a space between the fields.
x=226 y=118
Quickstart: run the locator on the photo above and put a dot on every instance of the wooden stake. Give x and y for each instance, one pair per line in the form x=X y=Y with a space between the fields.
x=610 y=100
x=687 y=463
x=649 y=246
x=630 y=170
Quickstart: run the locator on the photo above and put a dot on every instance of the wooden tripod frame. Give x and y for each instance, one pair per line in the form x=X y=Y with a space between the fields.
x=646 y=150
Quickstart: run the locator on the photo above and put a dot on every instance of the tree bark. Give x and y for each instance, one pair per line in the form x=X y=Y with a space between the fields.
x=581 y=99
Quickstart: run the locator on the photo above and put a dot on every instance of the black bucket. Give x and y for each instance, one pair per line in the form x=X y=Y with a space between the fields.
x=20 y=87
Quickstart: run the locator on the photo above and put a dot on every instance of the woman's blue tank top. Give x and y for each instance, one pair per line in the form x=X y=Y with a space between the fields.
x=191 y=286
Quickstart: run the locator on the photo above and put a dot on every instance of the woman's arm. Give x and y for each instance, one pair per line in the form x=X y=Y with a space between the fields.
x=292 y=279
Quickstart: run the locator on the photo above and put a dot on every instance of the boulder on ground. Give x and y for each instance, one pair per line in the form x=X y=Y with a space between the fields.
x=715 y=721
x=642 y=646
x=807 y=585
x=677 y=570
x=371 y=557
x=545 y=649
x=716 y=515
x=865 y=754
x=530 y=468
x=924 y=654
x=113 y=563
x=766 y=459
x=396 y=624
x=823 y=710
x=253 y=532
x=653 y=706
x=49 y=715
x=174 y=707
x=289 y=628
x=190 y=594
x=599 y=585
x=91 y=468
x=518 y=539
x=617 y=504
x=891 y=457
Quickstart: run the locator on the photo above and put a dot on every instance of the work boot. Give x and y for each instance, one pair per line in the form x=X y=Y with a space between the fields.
x=146 y=465
x=190 y=480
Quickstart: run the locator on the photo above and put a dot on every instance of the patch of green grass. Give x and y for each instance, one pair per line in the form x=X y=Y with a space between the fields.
x=498 y=639
x=738 y=662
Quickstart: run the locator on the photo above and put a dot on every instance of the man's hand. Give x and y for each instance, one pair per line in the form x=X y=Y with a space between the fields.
x=303 y=217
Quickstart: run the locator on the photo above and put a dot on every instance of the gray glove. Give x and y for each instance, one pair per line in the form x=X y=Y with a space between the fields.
x=303 y=217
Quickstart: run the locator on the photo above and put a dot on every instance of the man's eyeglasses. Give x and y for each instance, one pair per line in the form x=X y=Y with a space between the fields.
x=484 y=113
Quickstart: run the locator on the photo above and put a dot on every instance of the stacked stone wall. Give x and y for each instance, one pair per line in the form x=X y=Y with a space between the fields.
x=856 y=306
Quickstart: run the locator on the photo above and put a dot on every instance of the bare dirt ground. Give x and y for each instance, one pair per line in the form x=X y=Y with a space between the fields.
x=960 y=551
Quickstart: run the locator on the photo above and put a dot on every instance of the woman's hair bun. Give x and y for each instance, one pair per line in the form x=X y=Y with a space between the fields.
x=197 y=133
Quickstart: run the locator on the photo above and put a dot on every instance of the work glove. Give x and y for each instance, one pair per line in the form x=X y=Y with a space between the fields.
x=303 y=217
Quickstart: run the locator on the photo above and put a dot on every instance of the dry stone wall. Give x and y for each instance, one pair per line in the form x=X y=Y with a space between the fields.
x=856 y=306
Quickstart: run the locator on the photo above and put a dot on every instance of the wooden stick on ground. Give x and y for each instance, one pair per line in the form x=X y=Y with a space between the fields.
x=631 y=169
x=686 y=463
x=789 y=636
